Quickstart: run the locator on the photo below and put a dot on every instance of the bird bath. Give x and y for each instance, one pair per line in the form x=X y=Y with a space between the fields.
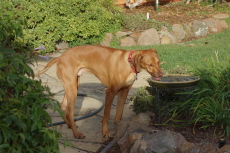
x=173 y=81
x=176 y=81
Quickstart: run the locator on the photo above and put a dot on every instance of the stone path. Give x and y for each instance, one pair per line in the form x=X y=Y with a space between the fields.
x=91 y=126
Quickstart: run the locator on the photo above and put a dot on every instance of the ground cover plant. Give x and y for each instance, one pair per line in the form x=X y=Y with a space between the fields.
x=23 y=100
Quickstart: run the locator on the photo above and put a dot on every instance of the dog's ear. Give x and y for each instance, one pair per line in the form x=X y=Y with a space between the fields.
x=137 y=62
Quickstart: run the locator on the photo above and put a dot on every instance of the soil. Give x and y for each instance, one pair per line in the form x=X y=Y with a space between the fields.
x=180 y=13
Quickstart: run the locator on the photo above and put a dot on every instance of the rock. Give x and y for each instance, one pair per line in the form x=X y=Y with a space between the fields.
x=121 y=34
x=140 y=146
x=142 y=118
x=62 y=46
x=136 y=146
x=199 y=28
x=128 y=41
x=135 y=35
x=185 y=147
x=179 y=32
x=166 y=40
x=165 y=36
x=124 y=144
x=121 y=128
x=224 y=149
x=214 y=25
x=127 y=132
x=161 y=142
x=189 y=32
x=108 y=38
x=224 y=24
x=204 y=148
x=173 y=37
x=136 y=135
x=221 y=16
x=149 y=37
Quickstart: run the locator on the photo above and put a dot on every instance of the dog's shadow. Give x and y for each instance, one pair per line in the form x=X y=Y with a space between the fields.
x=90 y=97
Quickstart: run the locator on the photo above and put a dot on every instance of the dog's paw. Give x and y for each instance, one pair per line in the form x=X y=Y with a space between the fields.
x=106 y=134
x=79 y=136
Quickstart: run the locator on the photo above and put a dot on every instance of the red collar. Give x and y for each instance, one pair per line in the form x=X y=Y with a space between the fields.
x=131 y=62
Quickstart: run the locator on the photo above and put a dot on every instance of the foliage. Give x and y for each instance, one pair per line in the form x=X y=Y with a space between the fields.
x=138 y=21
x=23 y=100
x=11 y=32
x=211 y=101
x=143 y=101
x=76 y=21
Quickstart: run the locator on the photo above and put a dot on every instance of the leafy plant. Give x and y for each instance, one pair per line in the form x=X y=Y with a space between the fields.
x=23 y=100
x=143 y=101
x=211 y=101
x=76 y=21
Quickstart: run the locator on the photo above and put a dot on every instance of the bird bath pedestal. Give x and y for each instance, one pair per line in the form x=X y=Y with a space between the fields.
x=173 y=81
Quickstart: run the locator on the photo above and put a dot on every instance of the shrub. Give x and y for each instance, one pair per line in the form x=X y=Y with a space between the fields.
x=76 y=21
x=23 y=100
x=143 y=101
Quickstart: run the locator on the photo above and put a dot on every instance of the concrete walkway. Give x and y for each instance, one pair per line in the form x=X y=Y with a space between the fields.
x=91 y=126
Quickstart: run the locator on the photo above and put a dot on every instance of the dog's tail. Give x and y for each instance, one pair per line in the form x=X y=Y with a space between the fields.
x=47 y=66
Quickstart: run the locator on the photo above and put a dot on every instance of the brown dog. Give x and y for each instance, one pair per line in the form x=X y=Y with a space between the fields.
x=115 y=68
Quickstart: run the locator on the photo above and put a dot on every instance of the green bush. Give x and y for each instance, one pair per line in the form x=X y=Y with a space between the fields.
x=77 y=21
x=143 y=101
x=23 y=100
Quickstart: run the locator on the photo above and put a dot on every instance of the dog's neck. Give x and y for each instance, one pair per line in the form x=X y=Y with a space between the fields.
x=131 y=64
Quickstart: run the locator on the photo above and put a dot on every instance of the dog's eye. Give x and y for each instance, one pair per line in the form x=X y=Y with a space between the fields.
x=150 y=65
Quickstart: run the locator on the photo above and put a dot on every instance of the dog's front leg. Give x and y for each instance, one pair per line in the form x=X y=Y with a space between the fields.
x=122 y=96
x=110 y=94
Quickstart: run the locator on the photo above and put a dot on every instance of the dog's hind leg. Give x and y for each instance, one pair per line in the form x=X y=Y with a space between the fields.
x=70 y=84
x=64 y=109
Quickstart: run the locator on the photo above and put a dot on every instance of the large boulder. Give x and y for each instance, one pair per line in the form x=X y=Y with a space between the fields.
x=189 y=32
x=214 y=25
x=165 y=36
x=149 y=37
x=179 y=32
x=199 y=28
x=162 y=142
x=127 y=41
x=224 y=24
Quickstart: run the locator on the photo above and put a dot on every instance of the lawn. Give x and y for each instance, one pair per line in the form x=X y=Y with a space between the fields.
x=189 y=55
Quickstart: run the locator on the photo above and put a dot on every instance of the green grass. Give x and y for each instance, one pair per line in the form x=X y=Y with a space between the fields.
x=192 y=54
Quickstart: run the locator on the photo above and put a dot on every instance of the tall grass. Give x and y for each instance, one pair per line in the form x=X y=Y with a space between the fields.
x=210 y=105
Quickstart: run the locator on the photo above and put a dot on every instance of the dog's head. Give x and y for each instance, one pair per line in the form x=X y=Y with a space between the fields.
x=149 y=61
